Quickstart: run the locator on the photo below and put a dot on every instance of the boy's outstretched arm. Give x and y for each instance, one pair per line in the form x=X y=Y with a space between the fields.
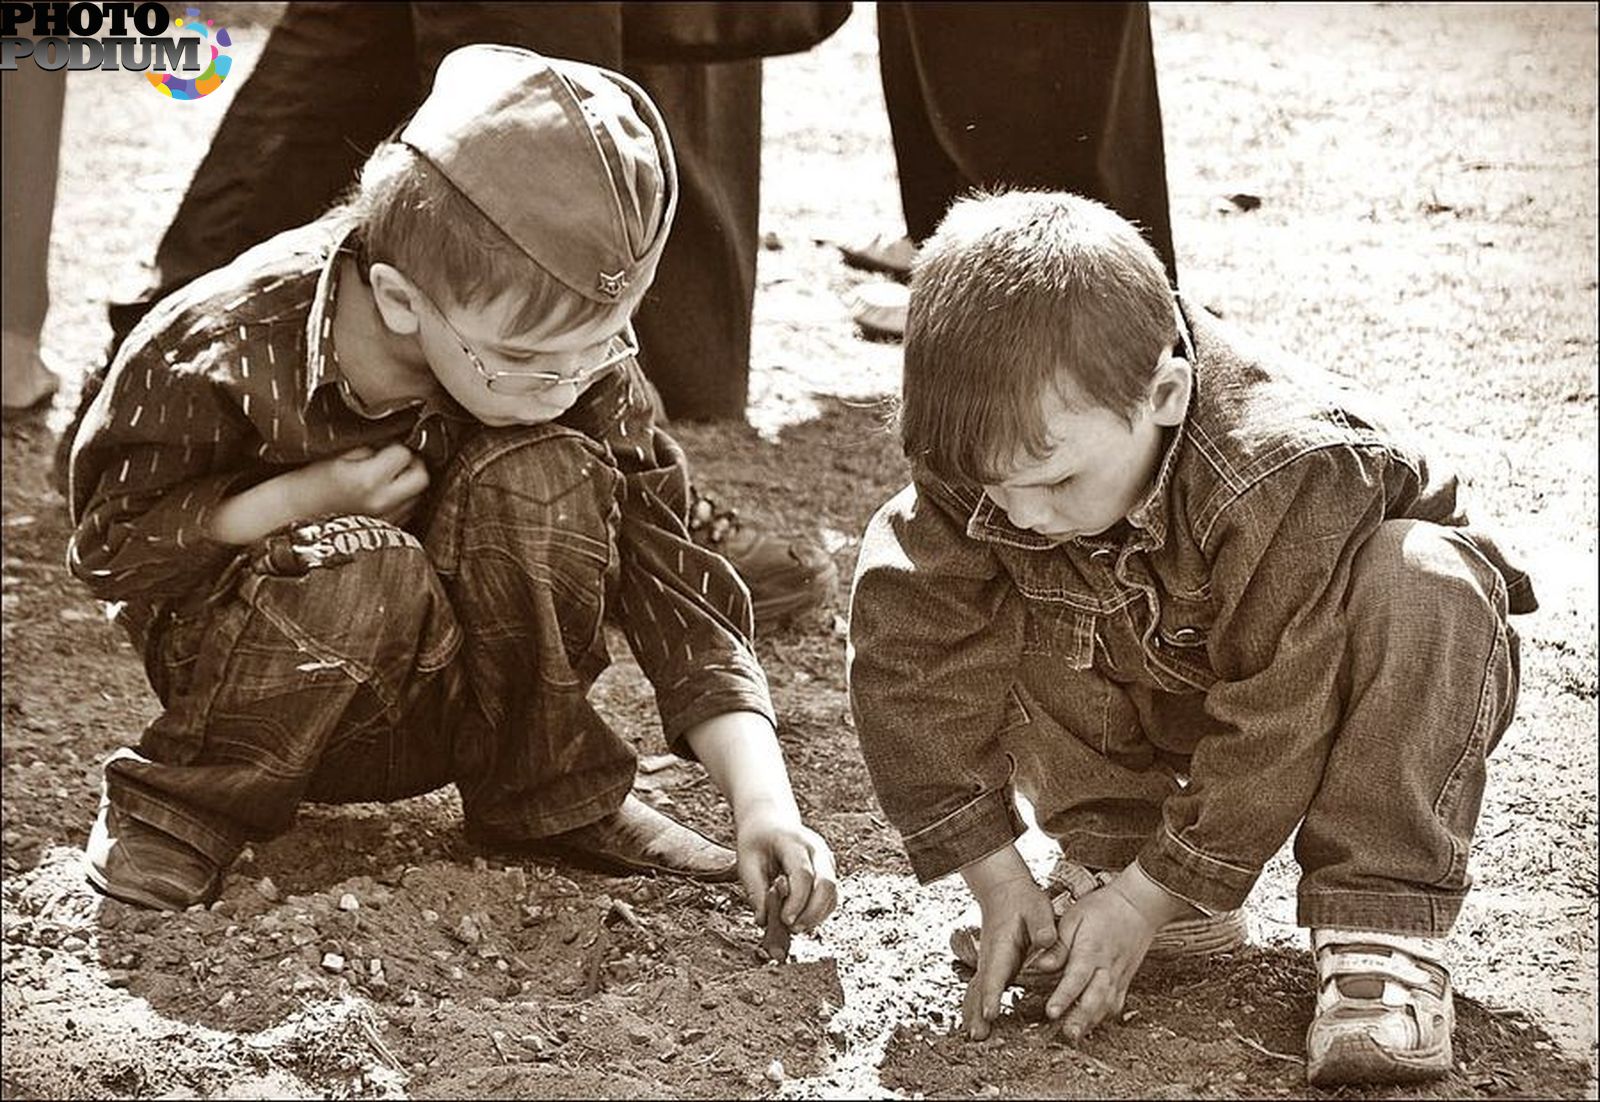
x=742 y=755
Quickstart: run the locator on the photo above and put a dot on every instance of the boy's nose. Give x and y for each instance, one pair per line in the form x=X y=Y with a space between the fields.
x=1021 y=508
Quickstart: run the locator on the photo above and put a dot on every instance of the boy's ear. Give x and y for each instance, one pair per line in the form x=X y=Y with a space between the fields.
x=397 y=298
x=1170 y=391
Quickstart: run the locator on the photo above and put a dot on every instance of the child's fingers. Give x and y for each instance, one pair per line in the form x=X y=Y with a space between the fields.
x=1098 y=1000
x=972 y=1019
x=997 y=963
x=753 y=878
x=357 y=453
x=1073 y=981
x=824 y=894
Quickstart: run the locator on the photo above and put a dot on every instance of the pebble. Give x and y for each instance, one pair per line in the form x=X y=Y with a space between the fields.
x=775 y=1071
x=267 y=890
x=227 y=1000
x=73 y=944
x=468 y=931
x=333 y=962
x=429 y=915
x=348 y=902
x=116 y=977
x=691 y=1035
x=639 y=1035
x=1241 y=1077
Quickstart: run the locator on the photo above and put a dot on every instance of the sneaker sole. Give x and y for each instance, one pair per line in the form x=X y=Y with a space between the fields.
x=1357 y=1058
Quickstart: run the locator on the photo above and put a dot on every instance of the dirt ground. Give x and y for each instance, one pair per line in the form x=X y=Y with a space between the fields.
x=1427 y=227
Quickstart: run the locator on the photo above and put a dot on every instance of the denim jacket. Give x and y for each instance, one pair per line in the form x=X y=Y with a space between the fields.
x=1227 y=580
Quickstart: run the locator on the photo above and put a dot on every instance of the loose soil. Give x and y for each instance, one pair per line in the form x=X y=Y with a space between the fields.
x=1427 y=228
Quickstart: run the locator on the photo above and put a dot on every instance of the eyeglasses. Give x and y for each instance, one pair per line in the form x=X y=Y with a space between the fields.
x=624 y=346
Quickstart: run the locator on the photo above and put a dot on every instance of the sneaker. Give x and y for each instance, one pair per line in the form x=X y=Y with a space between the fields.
x=880 y=310
x=1385 y=1011
x=135 y=862
x=785 y=577
x=891 y=256
x=1070 y=882
x=633 y=840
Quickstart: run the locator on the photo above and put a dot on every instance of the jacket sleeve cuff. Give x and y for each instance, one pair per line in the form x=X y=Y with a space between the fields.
x=737 y=687
x=973 y=830
x=1207 y=883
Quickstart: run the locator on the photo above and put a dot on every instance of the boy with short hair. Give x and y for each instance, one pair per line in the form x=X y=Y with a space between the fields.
x=1185 y=598
x=370 y=491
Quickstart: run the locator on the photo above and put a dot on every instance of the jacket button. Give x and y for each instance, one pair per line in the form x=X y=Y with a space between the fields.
x=1188 y=637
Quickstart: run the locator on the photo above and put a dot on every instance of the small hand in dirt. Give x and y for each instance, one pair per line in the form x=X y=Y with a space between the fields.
x=1101 y=941
x=1017 y=925
x=775 y=847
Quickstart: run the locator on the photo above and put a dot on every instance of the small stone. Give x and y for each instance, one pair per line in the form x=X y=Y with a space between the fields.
x=639 y=1035
x=303 y=984
x=116 y=977
x=991 y=1090
x=429 y=915
x=333 y=962
x=480 y=864
x=752 y=996
x=227 y=1000
x=775 y=1071
x=73 y=944
x=691 y=1035
x=348 y=902
x=1241 y=1077
x=267 y=890
x=467 y=931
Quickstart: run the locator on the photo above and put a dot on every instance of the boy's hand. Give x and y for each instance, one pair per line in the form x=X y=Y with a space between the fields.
x=1017 y=924
x=384 y=483
x=1102 y=940
x=774 y=843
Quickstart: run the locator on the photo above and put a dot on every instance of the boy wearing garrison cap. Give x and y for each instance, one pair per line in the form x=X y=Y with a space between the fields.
x=369 y=492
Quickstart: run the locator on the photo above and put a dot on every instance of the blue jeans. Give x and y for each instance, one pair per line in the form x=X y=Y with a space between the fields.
x=1427 y=685
x=402 y=665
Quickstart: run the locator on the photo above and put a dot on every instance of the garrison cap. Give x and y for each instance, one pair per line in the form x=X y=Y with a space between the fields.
x=572 y=162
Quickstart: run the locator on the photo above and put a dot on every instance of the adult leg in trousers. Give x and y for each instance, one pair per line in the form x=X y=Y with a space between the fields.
x=1078 y=108
x=33 y=103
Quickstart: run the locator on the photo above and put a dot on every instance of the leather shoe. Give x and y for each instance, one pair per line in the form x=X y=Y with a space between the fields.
x=133 y=861
x=635 y=839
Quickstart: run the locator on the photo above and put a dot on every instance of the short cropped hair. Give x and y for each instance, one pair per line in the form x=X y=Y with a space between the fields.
x=407 y=214
x=1016 y=291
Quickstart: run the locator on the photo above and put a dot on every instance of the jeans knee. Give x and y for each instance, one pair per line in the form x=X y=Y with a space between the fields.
x=375 y=601
x=1426 y=574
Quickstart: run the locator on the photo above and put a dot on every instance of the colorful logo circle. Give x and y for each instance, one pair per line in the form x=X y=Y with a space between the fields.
x=177 y=87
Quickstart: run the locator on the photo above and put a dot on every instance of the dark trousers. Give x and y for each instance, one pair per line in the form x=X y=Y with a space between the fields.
x=464 y=656
x=1058 y=96
x=335 y=79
